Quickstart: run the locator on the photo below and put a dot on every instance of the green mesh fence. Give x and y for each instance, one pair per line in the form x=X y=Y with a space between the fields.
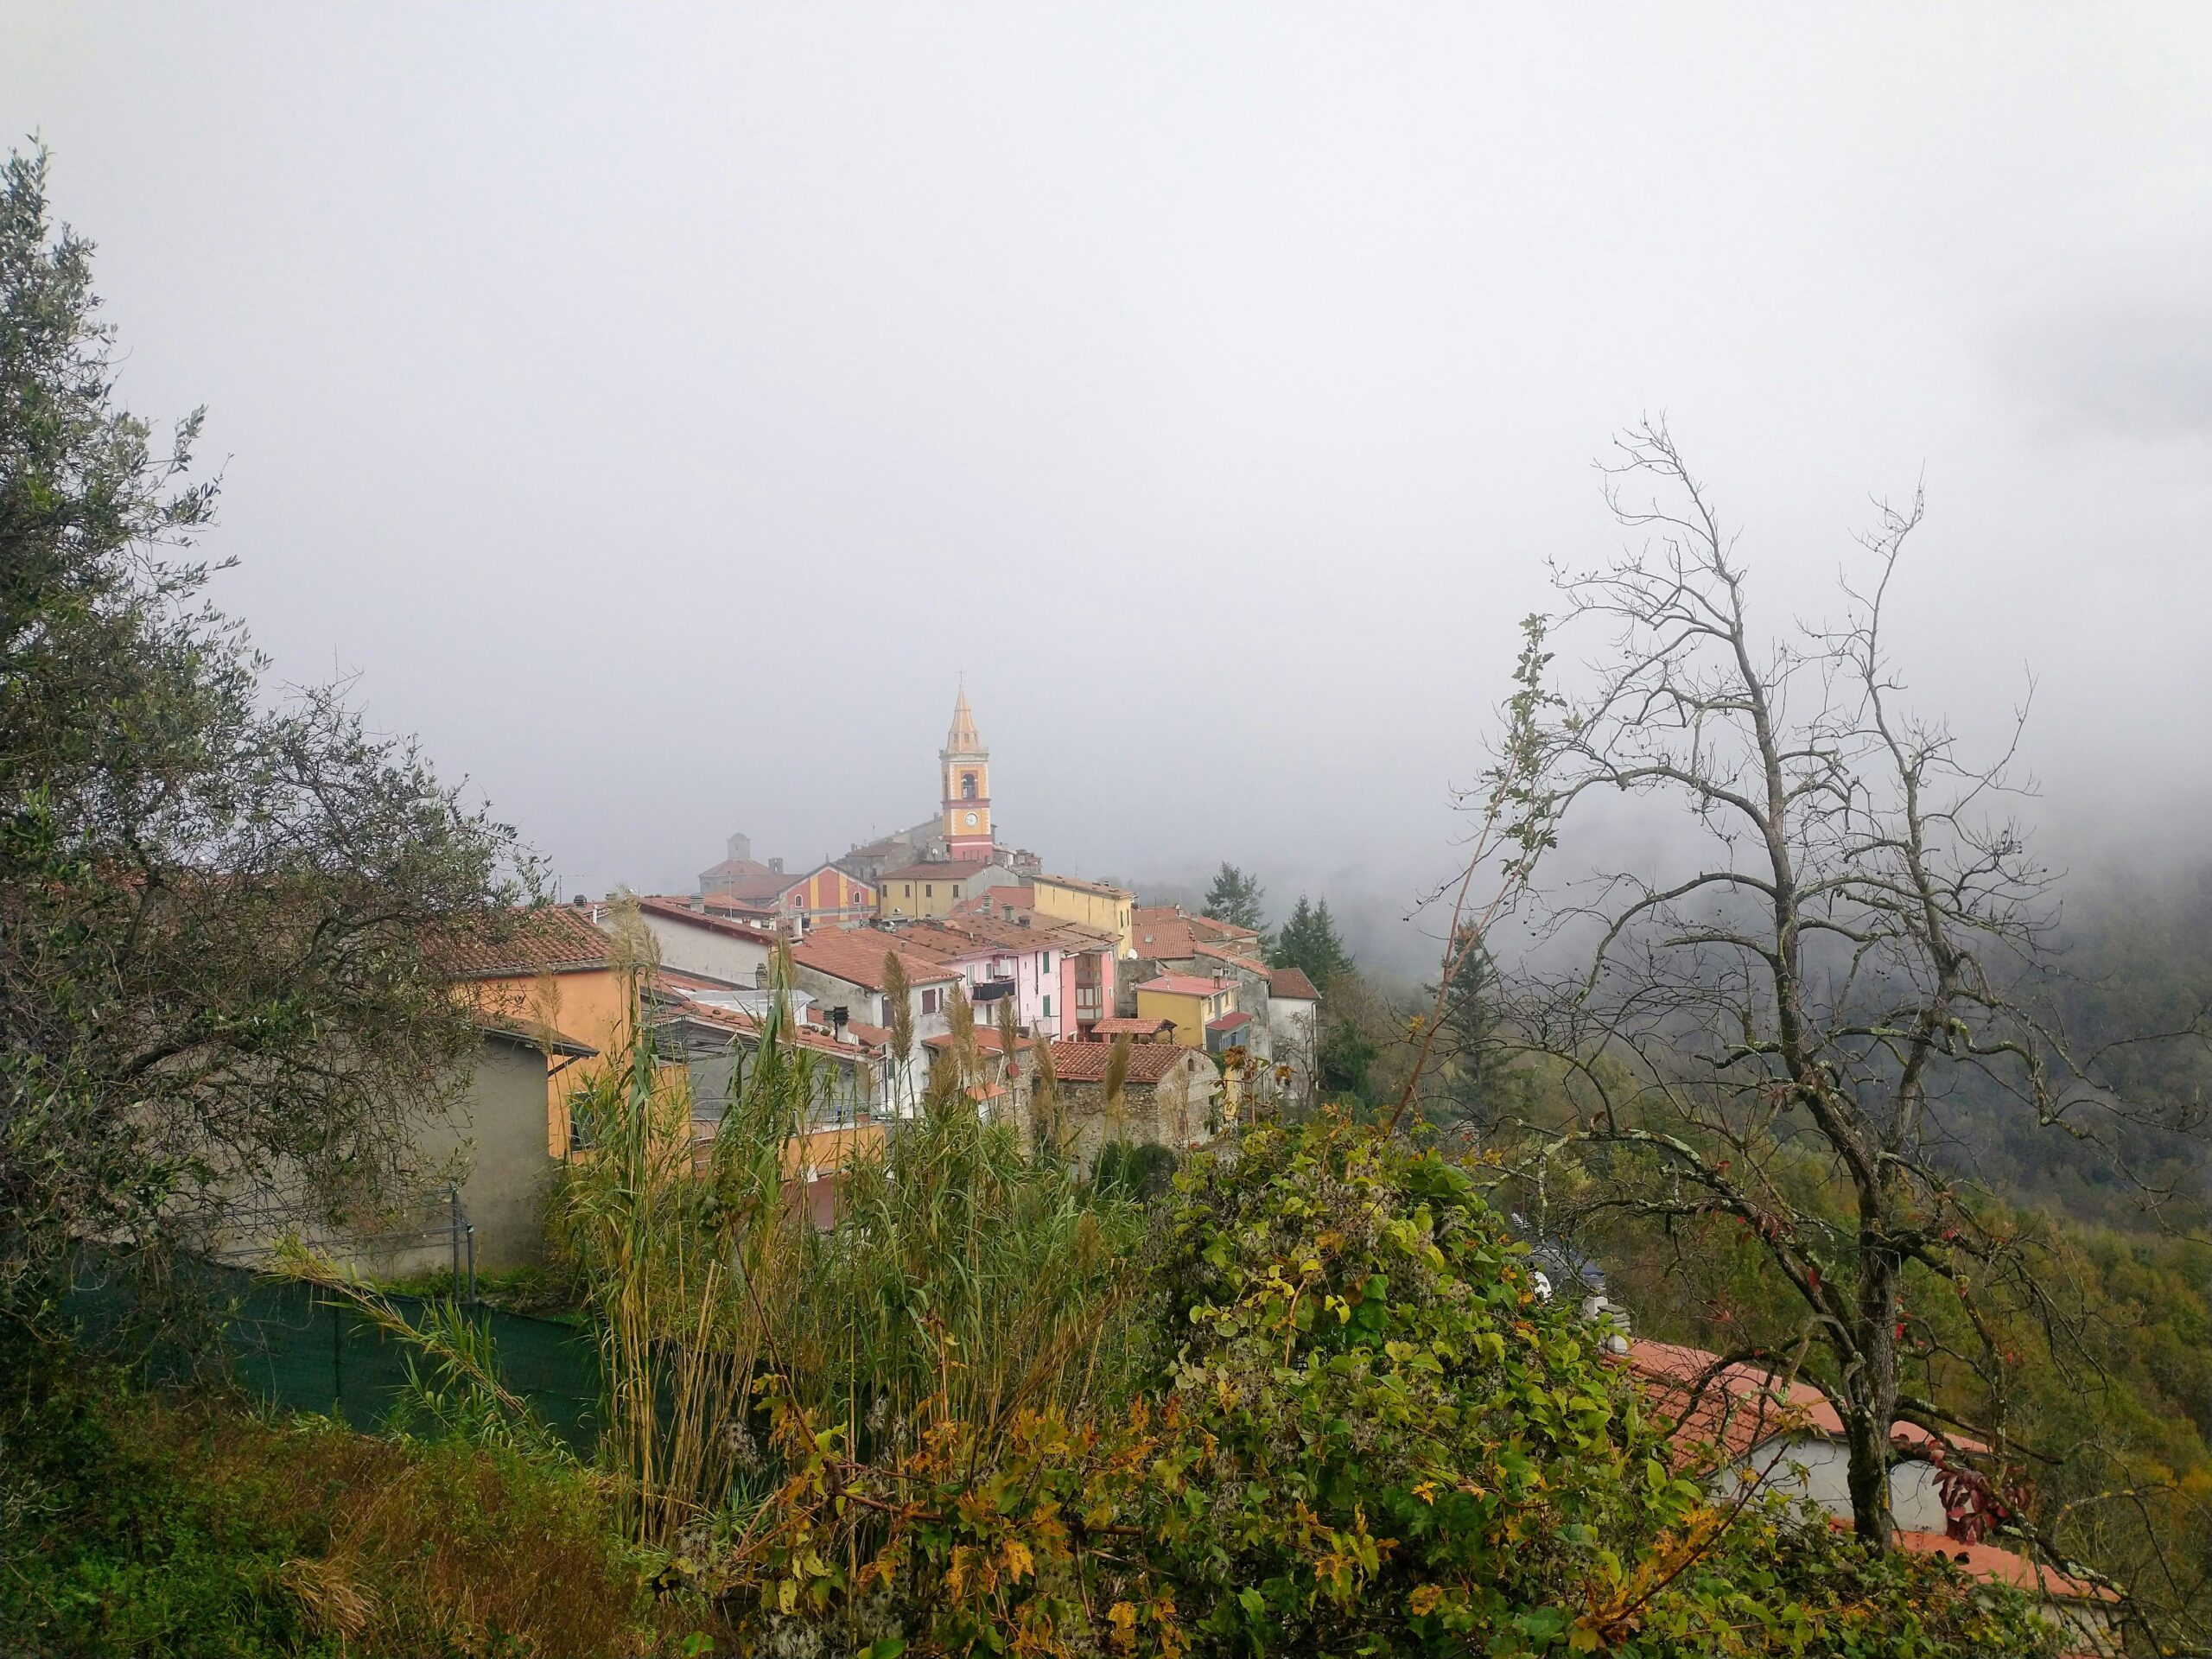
x=299 y=1348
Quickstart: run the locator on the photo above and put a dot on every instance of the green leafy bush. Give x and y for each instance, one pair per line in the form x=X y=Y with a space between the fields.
x=1363 y=1431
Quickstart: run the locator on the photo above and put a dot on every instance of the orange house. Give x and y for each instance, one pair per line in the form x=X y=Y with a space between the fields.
x=550 y=971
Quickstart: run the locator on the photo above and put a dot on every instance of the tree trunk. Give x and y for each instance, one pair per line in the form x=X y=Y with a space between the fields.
x=1871 y=1394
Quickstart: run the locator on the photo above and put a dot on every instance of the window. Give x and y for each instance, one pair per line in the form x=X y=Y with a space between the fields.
x=929 y=1001
x=1044 y=964
x=956 y=889
x=929 y=889
x=967 y=785
x=1048 y=1007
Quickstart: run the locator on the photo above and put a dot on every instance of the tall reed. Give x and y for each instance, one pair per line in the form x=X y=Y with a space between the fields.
x=962 y=1278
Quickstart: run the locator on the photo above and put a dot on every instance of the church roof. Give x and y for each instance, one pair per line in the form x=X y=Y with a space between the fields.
x=962 y=739
x=942 y=870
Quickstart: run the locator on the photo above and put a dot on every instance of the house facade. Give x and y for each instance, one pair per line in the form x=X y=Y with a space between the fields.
x=1189 y=1001
x=703 y=941
x=934 y=889
x=824 y=896
x=1087 y=904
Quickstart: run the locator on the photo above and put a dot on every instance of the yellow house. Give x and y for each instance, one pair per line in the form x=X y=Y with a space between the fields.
x=922 y=892
x=1189 y=1001
x=1091 y=904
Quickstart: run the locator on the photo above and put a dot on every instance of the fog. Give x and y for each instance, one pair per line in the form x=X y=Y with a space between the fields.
x=659 y=410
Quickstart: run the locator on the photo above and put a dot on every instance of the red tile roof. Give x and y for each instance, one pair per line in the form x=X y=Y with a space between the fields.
x=1291 y=982
x=675 y=910
x=1229 y=1021
x=2002 y=1567
x=1235 y=959
x=856 y=955
x=1118 y=1026
x=1081 y=1062
x=1165 y=940
x=548 y=938
x=734 y=867
x=1186 y=985
x=1210 y=928
x=1737 y=1406
x=757 y=889
x=956 y=870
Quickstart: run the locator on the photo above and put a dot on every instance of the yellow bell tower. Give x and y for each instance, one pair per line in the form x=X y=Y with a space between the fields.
x=967 y=786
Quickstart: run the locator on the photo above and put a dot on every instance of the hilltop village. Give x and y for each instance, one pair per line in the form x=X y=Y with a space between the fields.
x=1157 y=1026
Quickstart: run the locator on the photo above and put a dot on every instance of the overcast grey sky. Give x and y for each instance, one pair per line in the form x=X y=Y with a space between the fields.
x=657 y=409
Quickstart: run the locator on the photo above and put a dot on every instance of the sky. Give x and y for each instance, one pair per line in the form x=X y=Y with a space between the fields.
x=660 y=409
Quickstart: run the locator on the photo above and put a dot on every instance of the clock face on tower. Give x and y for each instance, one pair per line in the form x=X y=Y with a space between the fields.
x=971 y=820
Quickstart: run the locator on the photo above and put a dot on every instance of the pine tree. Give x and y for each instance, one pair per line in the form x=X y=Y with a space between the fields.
x=1309 y=942
x=1469 y=1062
x=1234 y=898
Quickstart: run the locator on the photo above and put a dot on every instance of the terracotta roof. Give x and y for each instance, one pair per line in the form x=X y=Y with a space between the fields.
x=1235 y=959
x=1074 y=885
x=1186 y=985
x=675 y=910
x=548 y=938
x=1081 y=1062
x=944 y=870
x=769 y=884
x=1118 y=1026
x=1716 y=1416
x=873 y=1036
x=1213 y=928
x=856 y=955
x=734 y=867
x=1229 y=1021
x=1741 y=1406
x=2002 y=1567
x=1168 y=939
x=1291 y=982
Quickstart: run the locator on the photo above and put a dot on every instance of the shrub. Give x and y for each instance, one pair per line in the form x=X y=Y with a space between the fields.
x=1363 y=1431
x=137 y=1527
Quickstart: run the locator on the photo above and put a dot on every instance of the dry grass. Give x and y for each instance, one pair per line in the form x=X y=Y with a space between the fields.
x=423 y=1549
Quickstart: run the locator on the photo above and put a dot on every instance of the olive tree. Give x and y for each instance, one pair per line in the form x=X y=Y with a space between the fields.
x=220 y=903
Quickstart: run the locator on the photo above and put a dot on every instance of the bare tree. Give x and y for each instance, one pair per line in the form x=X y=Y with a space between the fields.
x=1782 y=1033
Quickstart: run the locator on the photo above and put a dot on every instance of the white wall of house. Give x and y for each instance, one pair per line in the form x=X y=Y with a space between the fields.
x=694 y=947
x=1815 y=1467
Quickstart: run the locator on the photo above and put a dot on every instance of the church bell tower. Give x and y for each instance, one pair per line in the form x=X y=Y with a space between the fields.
x=966 y=787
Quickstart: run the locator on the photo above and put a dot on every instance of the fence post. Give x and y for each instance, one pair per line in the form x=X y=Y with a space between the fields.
x=337 y=1358
x=453 y=1236
x=472 y=1263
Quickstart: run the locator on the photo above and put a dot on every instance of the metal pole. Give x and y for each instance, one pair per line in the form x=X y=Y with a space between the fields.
x=472 y=1264
x=453 y=1195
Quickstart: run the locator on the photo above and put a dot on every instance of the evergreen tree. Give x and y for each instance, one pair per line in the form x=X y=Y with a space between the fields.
x=1234 y=898
x=1309 y=942
x=1469 y=1061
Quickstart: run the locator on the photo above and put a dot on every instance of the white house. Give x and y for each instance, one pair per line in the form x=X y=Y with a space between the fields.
x=714 y=947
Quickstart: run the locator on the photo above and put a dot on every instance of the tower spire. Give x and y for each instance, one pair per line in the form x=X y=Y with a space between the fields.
x=962 y=737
